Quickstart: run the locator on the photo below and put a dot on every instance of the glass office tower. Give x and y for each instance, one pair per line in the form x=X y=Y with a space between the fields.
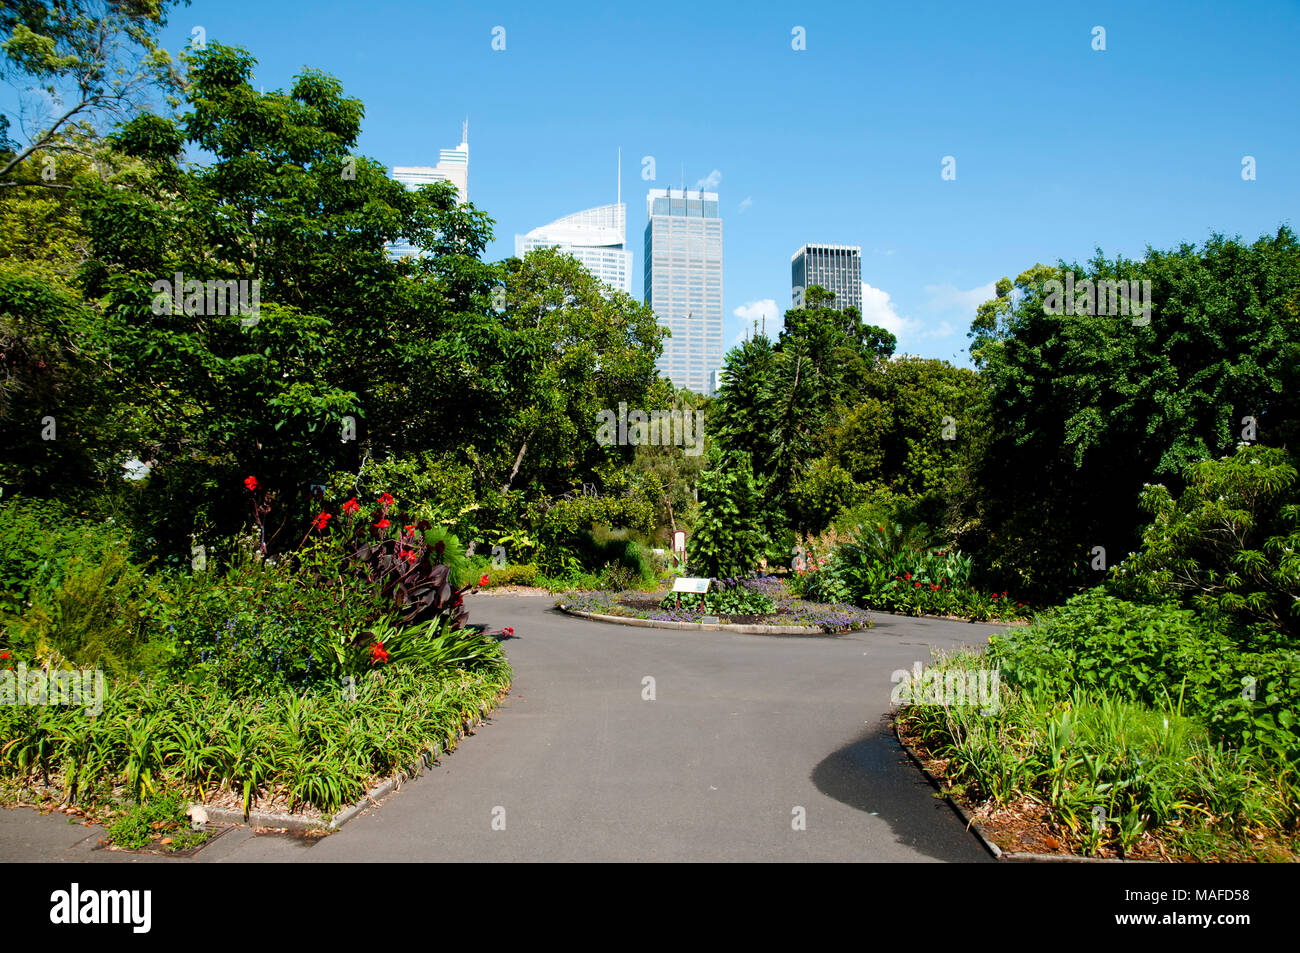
x=836 y=268
x=596 y=237
x=453 y=167
x=683 y=282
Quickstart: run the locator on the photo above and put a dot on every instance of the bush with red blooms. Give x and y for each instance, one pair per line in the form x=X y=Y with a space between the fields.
x=411 y=579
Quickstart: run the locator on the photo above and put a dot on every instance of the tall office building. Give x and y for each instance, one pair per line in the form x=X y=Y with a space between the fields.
x=836 y=268
x=596 y=237
x=453 y=167
x=683 y=282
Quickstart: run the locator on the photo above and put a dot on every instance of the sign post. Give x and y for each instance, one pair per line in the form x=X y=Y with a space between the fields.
x=689 y=584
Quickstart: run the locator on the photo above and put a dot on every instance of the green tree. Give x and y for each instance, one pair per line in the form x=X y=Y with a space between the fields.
x=95 y=61
x=729 y=537
x=1084 y=409
x=1229 y=543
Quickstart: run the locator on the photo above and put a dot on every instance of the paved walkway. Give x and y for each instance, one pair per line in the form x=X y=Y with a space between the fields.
x=742 y=731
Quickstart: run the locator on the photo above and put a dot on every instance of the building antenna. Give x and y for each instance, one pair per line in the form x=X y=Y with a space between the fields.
x=620 y=175
x=464 y=131
x=683 y=178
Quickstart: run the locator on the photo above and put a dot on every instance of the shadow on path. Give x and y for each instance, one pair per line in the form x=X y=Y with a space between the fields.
x=875 y=776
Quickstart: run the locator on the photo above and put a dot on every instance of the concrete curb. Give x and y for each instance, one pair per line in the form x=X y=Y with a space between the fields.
x=292 y=822
x=974 y=825
x=804 y=630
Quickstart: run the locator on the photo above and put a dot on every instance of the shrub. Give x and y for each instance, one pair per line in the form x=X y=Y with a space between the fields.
x=1229 y=544
x=513 y=575
x=725 y=597
x=70 y=590
x=728 y=538
x=1159 y=655
x=1109 y=768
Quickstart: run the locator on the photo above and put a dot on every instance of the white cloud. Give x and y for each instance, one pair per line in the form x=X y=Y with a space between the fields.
x=765 y=311
x=710 y=181
x=745 y=203
x=758 y=310
x=879 y=310
x=947 y=297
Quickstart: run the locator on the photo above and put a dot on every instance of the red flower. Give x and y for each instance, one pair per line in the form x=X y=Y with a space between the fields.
x=351 y=506
x=322 y=519
x=385 y=499
x=933 y=587
x=251 y=483
x=483 y=580
x=917 y=585
x=377 y=653
x=908 y=576
x=4 y=654
x=382 y=524
x=508 y=631
x=411 y=556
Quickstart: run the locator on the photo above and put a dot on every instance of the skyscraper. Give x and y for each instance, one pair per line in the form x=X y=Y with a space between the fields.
x=453 y=167
x=683 y=282
x=836 y=268
x=596 y=237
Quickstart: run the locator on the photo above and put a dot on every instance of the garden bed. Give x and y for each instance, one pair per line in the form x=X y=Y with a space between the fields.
x=791 y=616
x=1021 y=829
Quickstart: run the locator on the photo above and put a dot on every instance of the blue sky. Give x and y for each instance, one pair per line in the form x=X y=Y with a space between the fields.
x=1059 y=148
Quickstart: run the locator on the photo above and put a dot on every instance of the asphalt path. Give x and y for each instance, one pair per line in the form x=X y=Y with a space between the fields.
x=618 y=743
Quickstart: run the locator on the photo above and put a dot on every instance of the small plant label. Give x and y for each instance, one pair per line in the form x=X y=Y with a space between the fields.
x=691 y=584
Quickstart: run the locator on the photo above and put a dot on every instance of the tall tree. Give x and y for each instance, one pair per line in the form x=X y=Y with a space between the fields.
x=1085 y=408
x=94 y=62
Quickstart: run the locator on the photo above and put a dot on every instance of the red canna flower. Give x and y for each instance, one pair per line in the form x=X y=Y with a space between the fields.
x=907 y=576
x=483 y=580
x=917 y=585
x=508 y=631
x=408 y=530
x=322 y=519
x=378 y=653
x=251 y=483
x=382 y=524
x=351 y=506
x=4 y=654
x=411 y=556
x=385 y=499
x=934 y=587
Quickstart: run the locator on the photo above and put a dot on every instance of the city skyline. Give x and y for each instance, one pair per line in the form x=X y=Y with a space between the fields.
x=865 y=168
